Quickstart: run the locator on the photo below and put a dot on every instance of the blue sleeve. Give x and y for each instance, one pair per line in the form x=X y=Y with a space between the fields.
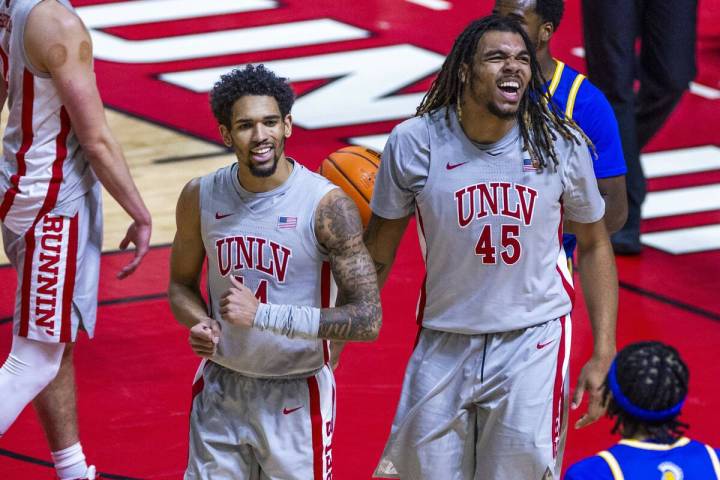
x=596 y=117
x=591 y=468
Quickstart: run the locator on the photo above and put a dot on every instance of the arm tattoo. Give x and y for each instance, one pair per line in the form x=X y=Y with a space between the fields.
x=339 y=229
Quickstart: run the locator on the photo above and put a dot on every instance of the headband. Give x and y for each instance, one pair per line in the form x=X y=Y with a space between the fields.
x=640 y=413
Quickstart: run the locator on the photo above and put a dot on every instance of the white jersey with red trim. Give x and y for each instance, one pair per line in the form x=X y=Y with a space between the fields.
x=267 y=241
x=490 y=222
x=43 y=169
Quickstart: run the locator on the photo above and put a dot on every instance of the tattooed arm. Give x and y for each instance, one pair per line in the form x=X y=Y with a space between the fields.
x=339 y=230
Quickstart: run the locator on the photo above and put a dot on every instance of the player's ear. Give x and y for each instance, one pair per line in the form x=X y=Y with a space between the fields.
x=225 y=134
x=546 y=32
x=288 y=125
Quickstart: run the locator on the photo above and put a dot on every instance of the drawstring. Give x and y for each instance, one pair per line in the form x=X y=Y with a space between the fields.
x=482 y=366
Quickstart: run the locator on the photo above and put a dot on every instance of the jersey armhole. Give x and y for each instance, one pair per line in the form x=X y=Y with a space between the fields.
x=613 y=464
x=714 y=460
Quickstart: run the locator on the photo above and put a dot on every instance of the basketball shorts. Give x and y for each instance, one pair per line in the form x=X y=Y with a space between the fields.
x=482 y=407
x=58 y=264
x=256 y=428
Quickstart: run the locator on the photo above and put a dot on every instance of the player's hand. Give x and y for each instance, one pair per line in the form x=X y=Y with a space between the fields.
x=238 y=305
x=204 y=338
x=592 y=377
x=138 y=234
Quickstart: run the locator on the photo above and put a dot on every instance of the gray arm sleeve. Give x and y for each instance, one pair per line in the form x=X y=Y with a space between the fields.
x=403 y=170
x=582 y=201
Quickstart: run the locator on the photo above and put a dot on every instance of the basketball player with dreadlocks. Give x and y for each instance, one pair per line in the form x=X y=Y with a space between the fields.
x=645 y=390
x=491 y=172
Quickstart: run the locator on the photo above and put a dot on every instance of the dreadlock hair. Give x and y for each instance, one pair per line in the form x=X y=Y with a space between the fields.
x=537 y=115
x=652 y=376
x=251 y=80
x=550 y=11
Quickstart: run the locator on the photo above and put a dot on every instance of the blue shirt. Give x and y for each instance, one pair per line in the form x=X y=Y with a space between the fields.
x=583 y=102
x=632 y=459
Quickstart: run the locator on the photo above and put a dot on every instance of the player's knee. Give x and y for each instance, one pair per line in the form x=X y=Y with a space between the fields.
x=31 y=365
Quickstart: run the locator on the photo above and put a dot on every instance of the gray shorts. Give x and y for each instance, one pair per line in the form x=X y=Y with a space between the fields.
x=58 y=267
x=484 y=407
x=256 y=428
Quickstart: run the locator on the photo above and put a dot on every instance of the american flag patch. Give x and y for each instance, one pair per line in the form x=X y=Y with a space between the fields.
x=529 y=165
x=287 y=222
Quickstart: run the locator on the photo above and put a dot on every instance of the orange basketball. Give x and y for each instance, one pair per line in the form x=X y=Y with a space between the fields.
x=353 y=169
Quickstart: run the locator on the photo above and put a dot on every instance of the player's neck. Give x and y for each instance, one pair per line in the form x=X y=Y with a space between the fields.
x=256 y=184
x=482 y=126
x=547 y=62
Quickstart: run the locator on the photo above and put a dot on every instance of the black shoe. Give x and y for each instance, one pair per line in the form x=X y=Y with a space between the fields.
x=626 y=243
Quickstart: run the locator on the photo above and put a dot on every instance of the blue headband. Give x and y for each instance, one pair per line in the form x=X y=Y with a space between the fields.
x=640 y=413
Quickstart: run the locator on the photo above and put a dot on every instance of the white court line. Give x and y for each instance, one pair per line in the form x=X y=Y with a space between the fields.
x=146 y=11
x=376 y=142
x=704 y=91
x=224 y=42
x=681 y=201
x=681 y=161
x=432 y=4
x=684 y=240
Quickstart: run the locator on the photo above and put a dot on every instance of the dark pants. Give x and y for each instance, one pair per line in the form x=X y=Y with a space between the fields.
x=664 y=68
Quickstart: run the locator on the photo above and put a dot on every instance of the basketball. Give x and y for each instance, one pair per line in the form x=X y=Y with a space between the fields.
x=353 y=169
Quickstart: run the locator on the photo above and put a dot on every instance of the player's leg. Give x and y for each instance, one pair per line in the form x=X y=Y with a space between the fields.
x=667 y=62
x=42 y=256
x=218 y=428
x=611 y=64
x=433 y=433
x=296 y=421
x=524 y=403
x=56 y=406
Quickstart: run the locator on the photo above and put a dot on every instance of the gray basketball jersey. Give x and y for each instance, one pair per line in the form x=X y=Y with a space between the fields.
x=489 y=222
x=44 y=168
x=271 y=248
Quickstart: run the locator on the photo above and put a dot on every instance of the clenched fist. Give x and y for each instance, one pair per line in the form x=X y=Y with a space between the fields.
x=204 y=338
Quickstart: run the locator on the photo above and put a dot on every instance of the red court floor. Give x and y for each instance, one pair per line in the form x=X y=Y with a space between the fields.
x=134 y=377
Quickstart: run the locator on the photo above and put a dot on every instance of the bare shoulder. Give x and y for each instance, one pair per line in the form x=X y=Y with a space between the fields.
x=188 y=205
x=55 y=20
x=54 y=37
x=337 y=220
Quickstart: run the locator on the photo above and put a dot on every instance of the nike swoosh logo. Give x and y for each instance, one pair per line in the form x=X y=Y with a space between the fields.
x=450 y=167
x=540 y=346
x=287 y=411
x=219 y=216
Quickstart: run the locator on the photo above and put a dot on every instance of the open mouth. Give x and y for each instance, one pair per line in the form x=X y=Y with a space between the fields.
x=261 y=153
x=510 y=89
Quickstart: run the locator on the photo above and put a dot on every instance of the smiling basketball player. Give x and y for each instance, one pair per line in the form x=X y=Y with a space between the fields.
x=268 y=226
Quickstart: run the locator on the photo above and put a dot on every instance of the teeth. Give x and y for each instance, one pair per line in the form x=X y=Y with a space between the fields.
x=261 y=151
x=510 y=84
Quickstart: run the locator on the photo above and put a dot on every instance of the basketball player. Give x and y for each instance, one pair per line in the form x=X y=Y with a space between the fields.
x=491 y=173
x=579 y=100
x=273 y=232
x=645 y=390
x=57 y=145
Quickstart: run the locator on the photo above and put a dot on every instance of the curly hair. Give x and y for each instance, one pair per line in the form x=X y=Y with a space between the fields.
x=538 y=116
x=653 y=377
x=550 y=11
x=251 y=80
